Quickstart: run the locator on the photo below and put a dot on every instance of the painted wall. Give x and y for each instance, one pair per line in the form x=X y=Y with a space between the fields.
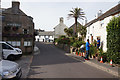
x=98 y=29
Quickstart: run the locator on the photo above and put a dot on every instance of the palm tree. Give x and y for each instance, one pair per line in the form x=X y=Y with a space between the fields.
x=77 y=14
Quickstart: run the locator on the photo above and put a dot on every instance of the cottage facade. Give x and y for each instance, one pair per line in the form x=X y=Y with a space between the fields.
x=97 y=27
x=59 y=29
x=45 y=36
x=18 y=28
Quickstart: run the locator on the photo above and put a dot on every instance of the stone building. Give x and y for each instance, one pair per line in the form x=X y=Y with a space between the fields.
x=18 y=28
x=59 y=29
x=73 y=28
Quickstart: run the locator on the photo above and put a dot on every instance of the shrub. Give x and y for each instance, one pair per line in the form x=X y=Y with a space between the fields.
x=77 y=44
x=113 y=40
x=63 y=40
x=104 y=56
x=93 y=50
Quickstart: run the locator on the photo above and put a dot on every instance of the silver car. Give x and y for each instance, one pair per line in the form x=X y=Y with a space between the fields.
x=9 y=70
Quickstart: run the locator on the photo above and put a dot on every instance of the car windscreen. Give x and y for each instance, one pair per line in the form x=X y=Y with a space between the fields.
x=10 y=44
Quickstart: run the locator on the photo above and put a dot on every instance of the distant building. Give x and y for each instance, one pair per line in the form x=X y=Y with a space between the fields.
x=59 y=29
x=45 y=36
x=97 y=27
x=18 y=28
x=73 y=27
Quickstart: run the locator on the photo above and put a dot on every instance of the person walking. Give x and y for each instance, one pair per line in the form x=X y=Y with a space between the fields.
x=98 y=43
x=87 y=49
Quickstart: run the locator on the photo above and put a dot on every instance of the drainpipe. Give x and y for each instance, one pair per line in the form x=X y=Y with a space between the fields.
x=0 y=30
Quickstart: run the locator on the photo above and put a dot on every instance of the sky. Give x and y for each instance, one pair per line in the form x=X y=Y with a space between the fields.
x=46 y=13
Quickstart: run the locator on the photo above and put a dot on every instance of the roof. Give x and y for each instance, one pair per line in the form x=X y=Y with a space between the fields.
x=74 y=25
x=9 y=11
x=48 y=33
x=110 y=12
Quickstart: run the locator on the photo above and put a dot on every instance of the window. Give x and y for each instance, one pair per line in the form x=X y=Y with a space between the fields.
x=25 y=31
x=4 y=46
x=14 y=43
x=27 y=43
x=102 y=23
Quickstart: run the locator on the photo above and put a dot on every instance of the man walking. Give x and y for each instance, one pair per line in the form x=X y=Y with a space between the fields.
x=87 y=49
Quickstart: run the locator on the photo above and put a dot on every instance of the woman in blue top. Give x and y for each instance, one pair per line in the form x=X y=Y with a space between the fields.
x=87 y=49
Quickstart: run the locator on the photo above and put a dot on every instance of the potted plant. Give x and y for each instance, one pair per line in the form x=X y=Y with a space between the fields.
x=93 y=51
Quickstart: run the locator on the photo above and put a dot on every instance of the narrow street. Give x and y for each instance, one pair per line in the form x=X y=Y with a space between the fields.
x=52 y=62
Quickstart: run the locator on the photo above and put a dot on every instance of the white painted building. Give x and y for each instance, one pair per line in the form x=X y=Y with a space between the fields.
x=97 y=27
x=46 y=36
x=59 y=29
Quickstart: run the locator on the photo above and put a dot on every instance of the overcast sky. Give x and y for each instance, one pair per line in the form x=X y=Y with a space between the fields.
x=46 y=13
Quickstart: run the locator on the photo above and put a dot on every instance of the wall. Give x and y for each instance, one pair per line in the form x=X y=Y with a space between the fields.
x=98 y=29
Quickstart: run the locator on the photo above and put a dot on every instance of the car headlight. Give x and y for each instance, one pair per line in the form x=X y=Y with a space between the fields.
x=6 y=73
x=18 y=51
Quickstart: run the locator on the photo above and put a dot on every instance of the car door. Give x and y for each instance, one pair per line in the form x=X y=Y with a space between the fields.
x=7 y=50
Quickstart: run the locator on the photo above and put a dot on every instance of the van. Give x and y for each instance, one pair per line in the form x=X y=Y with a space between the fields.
x=9 y=52
x=9 y=70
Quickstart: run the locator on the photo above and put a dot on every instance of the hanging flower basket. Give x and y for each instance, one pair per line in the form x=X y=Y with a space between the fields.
x=15 y=28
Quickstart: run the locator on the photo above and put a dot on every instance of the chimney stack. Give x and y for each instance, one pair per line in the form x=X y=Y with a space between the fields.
x=61 y=20
x=15 y=6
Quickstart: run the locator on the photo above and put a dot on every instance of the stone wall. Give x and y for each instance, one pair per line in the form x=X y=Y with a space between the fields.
x=65 y=47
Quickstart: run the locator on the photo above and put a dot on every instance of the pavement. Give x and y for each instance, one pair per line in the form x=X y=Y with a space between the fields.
x=25 y=62
x=114 y=70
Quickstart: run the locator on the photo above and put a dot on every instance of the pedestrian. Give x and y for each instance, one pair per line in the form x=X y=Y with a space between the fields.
x=98 y=43
x=87 y=49
x=82 y=48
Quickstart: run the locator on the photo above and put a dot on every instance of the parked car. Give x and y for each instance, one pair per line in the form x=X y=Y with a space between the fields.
x=10 y=70
x=10 y=52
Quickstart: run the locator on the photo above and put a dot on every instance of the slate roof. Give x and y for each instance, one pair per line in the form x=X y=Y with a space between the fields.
x=78 y=25
x=48 y=33
x=110 y=12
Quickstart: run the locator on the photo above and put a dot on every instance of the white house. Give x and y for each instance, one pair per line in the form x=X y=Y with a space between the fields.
x=45 y=36
x=59 y=29
x=97 y=27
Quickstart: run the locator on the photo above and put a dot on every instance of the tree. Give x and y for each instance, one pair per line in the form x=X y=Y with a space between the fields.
x=77 y=14
x=82 y=30
x=68 y=31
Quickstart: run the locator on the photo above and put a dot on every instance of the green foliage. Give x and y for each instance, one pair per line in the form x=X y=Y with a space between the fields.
x=68 y=31
x=95 y=43
x=113 y=40
x=76 y=13
x=82 y=30
x=103 y=55
x=77 y=44
x=63 y=40
x=72 y=40
x=93 y=50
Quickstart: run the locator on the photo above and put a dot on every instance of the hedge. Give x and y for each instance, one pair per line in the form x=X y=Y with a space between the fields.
x=113 y=40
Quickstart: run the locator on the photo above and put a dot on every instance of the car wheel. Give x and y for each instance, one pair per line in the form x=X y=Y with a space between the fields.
x=11 y=57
